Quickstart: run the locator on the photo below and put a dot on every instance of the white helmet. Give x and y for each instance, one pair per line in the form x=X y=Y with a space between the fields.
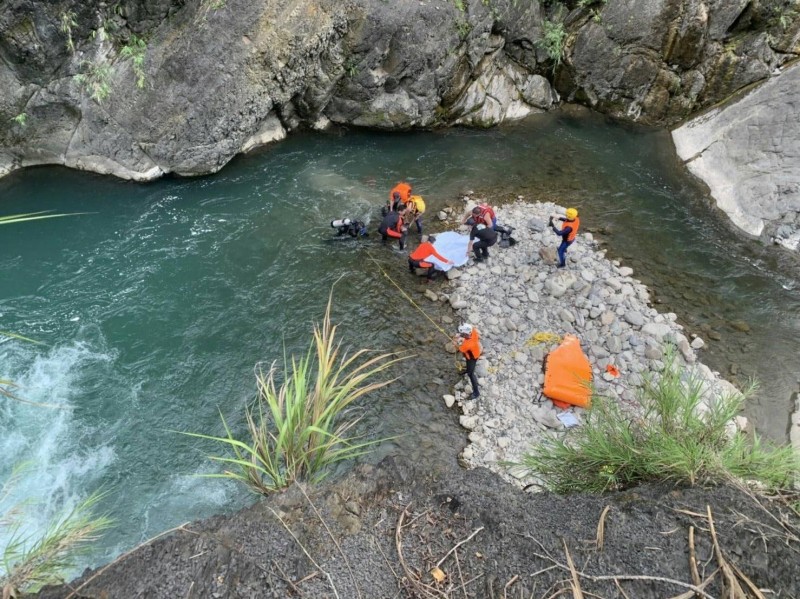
x=465 y=329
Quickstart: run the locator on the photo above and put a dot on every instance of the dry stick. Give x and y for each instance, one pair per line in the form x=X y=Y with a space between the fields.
x=601 y=528
x=508 y=584
x=755 y=590
x=702 y=585
x=734 y=588
x=418 y=585
x=308 y=555
x=330 y=534
x=693 y=558
x=286 y=578
x=621 y=590
x=386 y=559
x=460 y=575
x=577 y=593
x=542 y=571
x=457 y=545
x=126 y=554
x=679 y=583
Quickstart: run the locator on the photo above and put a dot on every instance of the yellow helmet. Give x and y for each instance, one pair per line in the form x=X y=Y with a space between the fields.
x=572 y=213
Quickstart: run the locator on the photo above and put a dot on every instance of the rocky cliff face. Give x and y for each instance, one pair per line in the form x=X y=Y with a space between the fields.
x=139 y=88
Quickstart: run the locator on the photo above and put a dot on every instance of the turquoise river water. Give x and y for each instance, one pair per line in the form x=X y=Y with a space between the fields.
x=153 y=307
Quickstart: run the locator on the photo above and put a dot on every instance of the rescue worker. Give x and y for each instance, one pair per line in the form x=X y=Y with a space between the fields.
x=424 y=251
x=400 y=194
x=567 y=232
x=481 y=238
x=482 y=213
x=468 y=343
x=416 y=207
x=392 y=226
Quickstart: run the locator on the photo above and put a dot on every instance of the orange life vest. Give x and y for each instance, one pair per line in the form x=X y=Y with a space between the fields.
x=423 y=251
x=471 y=346
x=574 y=224
x=404 y=189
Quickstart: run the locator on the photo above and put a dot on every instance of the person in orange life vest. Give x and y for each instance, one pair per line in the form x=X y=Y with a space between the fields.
x=392 y=226
x=416 y=207
x=468 y=343
x=567 y=232
x=400 y=194
x=481 y=238
x=425 y=250
x=482 y=213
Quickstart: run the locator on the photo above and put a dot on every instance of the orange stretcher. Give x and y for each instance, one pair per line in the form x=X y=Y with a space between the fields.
x=568 y=375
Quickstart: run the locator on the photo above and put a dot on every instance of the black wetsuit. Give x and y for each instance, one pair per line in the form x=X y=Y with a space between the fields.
x=481 y=241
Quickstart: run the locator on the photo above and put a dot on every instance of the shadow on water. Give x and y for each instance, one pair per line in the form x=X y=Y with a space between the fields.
x=155 y=307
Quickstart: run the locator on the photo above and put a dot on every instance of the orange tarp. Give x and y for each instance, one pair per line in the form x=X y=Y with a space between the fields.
x=568 y=375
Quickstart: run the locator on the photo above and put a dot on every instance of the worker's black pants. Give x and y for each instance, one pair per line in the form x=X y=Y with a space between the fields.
x=471 y=374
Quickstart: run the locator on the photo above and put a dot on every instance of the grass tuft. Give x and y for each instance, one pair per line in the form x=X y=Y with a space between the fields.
x=299 y=428
x=677 y=439
x=28 y=564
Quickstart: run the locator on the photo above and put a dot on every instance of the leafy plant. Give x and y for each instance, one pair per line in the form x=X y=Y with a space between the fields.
x=298 y=429
x=136 y=50
x=351 y=66
x=459 y=4
x=552 y=41
x=29 y=563
x=21 y=119
x=677 y=439
x=68 y=22
x=96 y=80
x=463 y=29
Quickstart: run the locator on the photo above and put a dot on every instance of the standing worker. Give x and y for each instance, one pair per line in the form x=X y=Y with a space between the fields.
x=392 y=225
x=468 y=343
x=486 y=237
x=400 y=194
x=567 y=232
x=416 y=208
x=424 y=251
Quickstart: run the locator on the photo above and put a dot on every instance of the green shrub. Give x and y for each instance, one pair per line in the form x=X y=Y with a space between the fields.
x=675 y=439
x=297 y=430
x=135 y=50
x=552 y=41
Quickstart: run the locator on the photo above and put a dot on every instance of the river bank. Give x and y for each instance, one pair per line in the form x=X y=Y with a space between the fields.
x=518 y=294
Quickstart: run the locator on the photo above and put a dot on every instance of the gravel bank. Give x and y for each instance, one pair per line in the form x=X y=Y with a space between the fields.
x=518 y=293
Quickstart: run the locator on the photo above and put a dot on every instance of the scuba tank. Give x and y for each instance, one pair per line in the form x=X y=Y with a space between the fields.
x=341 y=222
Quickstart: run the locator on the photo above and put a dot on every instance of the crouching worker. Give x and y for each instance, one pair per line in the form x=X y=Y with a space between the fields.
x=392 y=226
x=481 y=238
x=567 y=232
x=416 y=208
x=424 y=251
x=468 y=343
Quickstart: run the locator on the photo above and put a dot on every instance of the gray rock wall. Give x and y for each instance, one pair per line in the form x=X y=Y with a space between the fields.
x=213 y=78
x=748 y=153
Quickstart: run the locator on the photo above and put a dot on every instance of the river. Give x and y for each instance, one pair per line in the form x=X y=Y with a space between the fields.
x=153 y=306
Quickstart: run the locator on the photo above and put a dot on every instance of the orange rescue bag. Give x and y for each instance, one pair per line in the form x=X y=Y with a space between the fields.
x=568 y=374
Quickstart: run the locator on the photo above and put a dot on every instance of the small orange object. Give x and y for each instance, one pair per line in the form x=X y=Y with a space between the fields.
x=612 y=370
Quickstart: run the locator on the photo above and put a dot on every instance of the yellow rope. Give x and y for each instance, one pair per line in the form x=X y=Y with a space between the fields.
x=542 y=337
x=409 y=298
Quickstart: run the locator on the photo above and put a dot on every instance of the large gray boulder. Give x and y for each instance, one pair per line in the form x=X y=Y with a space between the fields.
x=748 y=153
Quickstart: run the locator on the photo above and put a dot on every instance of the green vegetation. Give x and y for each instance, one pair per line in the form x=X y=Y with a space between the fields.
x=135 y=50
x=463 y=29
x=67 y=23
x=21 y=119
x=676 y=439
x=28 y=564
x=459 y=4
x=96 y=80
x=299 y=429
x=553 y=40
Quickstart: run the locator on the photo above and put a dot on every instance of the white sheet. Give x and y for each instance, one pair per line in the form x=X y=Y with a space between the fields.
x=452 y=246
